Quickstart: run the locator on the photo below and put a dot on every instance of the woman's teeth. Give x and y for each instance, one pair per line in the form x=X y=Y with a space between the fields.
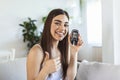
x=60 y=33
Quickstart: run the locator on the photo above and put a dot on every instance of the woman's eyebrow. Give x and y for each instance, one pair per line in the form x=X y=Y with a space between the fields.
x=59 y=21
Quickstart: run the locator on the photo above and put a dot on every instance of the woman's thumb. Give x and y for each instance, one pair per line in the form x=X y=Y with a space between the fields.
x=47 y=57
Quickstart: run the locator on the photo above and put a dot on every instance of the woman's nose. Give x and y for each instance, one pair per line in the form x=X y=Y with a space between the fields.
x=62 y=27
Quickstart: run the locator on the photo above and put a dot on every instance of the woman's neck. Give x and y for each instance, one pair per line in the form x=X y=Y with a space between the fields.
x=55 y=44
x=55 y=50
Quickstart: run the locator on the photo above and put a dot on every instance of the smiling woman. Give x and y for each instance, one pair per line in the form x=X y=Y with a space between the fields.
x=52 y=59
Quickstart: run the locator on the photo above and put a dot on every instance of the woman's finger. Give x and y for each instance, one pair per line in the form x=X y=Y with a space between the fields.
x=80 y=42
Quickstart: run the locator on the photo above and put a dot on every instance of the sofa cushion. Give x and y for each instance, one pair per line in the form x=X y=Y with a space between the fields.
x=13 y=70
x=98 y=71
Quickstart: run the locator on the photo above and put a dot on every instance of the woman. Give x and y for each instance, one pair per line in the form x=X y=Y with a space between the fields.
x=55 y=58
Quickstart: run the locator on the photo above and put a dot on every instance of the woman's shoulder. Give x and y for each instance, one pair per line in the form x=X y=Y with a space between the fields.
x=36 y=47
x=36 y=51
x=35 y=57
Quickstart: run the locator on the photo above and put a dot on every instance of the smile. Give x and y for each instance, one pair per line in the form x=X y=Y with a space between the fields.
x=60 y=34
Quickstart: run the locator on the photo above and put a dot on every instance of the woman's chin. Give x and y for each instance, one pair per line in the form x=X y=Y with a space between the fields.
x=60 y=38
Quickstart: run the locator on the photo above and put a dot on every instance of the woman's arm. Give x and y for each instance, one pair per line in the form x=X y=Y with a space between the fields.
x=34 y=60
x=72 y=67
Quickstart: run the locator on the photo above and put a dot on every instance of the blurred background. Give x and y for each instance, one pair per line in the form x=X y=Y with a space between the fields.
x=96 y=20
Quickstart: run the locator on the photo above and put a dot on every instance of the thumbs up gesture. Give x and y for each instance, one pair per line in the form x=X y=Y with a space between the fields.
x=51 y=65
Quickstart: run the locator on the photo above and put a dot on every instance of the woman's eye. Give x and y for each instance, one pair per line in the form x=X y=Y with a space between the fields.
x=58 y=24
x=66 y=25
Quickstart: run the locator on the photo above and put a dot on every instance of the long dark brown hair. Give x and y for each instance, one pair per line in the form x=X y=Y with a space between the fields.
x=46 y=39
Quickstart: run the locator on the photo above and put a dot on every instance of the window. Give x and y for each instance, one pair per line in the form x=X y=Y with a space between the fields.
x=94 y=22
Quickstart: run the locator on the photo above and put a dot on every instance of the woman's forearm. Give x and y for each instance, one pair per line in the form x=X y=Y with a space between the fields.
x=72 y=68
x=42 y=75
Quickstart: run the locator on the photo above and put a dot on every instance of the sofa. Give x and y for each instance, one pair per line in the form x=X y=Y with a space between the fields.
x=13 y=69
x=97 y=71
x=16 y=70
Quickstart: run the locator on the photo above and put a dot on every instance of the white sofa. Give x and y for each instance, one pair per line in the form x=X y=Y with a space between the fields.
x=13 y=69
x=98 y=71
x=16 y=70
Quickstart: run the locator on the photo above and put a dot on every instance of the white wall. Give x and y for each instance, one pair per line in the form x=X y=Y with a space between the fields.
x=14 y=12
x=116 y=7
x=107 y=28
x=111 y=31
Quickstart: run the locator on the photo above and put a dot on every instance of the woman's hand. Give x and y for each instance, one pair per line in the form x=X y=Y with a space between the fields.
x=75 y=48
x=51 y=65
x=72 y=67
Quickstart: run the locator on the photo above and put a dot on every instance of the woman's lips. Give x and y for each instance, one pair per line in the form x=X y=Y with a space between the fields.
x=61 y=34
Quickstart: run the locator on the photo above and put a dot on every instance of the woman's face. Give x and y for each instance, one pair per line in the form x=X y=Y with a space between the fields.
x=59 y=27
